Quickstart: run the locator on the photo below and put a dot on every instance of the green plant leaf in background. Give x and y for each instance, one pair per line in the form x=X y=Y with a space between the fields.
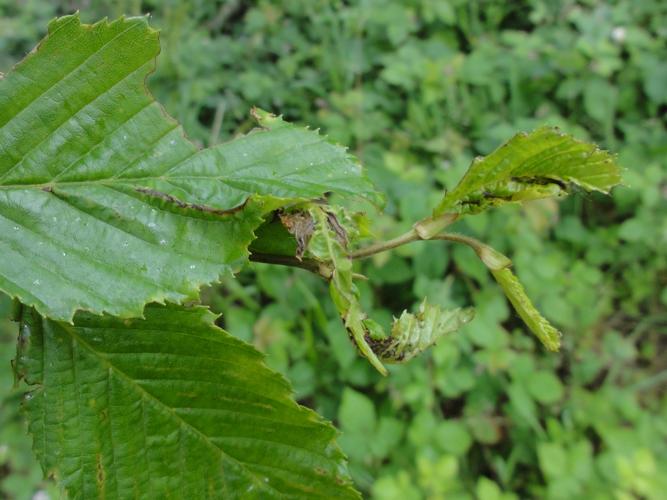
x=105 y=205
x=149 y=407
x=539 y=164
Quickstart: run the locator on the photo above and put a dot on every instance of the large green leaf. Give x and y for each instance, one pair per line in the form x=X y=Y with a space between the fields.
x=105 y=205
x=543 y=163
x=169 y=406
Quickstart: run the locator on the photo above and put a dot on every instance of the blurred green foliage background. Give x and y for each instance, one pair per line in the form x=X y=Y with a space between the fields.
x=417 y=88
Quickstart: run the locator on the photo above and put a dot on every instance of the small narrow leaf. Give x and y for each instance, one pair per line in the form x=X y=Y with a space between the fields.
x=326 y=244
x=543 y=163
x=274 y=238
x=412 y=334
x=105 y=205
x=538 y=324
x=169 y=406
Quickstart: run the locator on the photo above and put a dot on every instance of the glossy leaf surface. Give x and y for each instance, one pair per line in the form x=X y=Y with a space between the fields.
x=169 y=406
x=540 y=164
x=105 y=205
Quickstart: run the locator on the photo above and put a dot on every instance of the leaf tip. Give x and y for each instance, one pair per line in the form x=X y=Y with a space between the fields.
x=265 y=119
x=58 y=22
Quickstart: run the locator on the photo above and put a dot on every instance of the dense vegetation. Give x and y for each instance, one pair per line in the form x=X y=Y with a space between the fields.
x=418 y=89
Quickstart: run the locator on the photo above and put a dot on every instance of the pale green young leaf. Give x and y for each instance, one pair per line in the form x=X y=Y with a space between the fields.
x=539 y=164
x=538 y=324
x=169 y=406
x=412 y=334
x=105 y=205
x=327 y=243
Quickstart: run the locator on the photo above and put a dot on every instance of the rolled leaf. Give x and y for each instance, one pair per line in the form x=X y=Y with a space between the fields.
x=538 y=324
x=327 y=244
x=412 y=334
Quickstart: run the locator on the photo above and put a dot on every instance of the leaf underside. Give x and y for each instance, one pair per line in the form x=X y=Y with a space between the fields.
x=538 y=324
x=169 y=406
x=411 y=334
x=105 y=205
x=539 y=164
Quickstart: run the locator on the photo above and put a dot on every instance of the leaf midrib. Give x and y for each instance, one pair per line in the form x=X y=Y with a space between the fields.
x=137 y=180
x=132 y=181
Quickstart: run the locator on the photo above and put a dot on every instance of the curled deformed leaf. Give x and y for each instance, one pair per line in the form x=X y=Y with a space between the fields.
x=499 y=265
x=538 y=324
x=412 y=334
x=327 y=244
x=540 y=164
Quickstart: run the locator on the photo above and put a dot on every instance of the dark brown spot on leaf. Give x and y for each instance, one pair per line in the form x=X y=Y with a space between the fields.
x=100 y=476
x=339 y=231
x=192 y=206
x=300 y=225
